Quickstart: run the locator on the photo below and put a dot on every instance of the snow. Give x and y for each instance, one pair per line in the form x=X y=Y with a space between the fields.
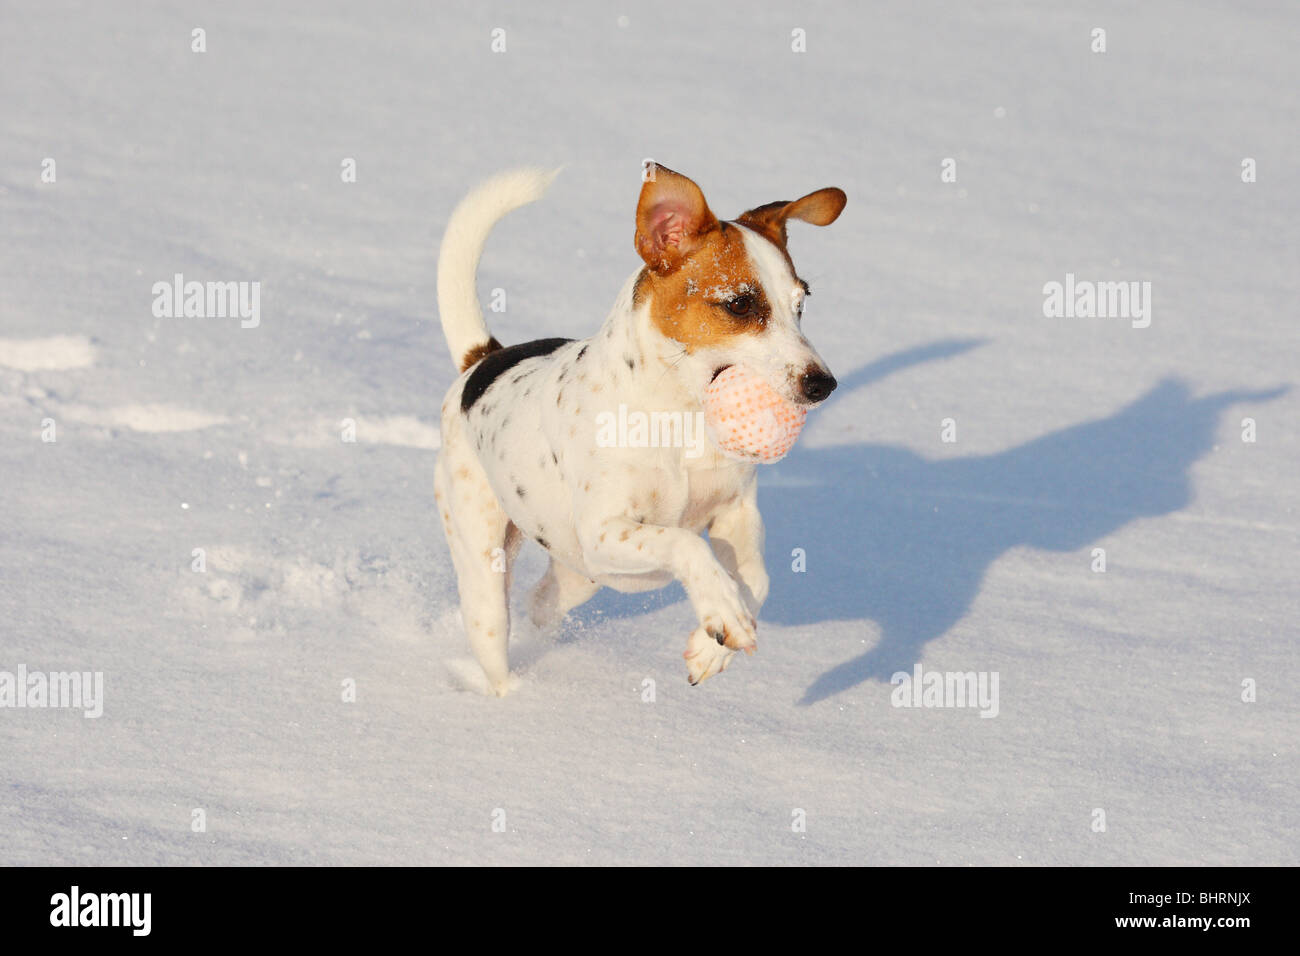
x=53 y=352
x=324 y=561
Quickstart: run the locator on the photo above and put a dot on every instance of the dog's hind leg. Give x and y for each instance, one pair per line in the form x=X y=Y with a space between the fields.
x=559 y=591
x=483 y=544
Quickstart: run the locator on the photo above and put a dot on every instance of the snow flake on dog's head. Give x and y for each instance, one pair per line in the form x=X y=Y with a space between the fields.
x=728 y=292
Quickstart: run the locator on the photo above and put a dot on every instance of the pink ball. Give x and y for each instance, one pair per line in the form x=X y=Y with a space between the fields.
x=748 y=419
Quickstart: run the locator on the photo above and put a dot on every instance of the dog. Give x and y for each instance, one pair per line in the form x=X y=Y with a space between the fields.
x=519 y=457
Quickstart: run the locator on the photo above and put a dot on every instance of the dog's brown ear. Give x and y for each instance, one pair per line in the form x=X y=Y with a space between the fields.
x=671 y=218
x=820 y=208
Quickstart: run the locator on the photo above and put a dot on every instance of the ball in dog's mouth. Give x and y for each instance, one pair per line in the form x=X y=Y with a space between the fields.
x=749 y=420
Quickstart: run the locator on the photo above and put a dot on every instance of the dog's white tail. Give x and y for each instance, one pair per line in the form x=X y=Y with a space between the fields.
x=467 y=333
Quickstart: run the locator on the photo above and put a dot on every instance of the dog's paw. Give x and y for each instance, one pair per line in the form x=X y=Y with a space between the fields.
x=726 y=617
x=705 y=656
x=466 y=675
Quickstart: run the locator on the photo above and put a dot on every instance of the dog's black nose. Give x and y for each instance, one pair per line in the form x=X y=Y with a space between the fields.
x=816 y=384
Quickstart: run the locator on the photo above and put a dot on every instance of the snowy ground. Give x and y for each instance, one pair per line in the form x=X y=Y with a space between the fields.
x=1119 y=691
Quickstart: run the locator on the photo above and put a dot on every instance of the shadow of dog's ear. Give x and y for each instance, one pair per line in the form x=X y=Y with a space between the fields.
x=821 y=208
x=672 y=216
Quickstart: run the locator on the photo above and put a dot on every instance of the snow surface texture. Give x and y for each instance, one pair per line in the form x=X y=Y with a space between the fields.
x=1119 y=691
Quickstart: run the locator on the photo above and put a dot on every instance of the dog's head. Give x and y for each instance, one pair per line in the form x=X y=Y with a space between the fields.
x=728 y=292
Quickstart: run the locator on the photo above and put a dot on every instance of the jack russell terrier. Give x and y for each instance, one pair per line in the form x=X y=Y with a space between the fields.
x=519 y=455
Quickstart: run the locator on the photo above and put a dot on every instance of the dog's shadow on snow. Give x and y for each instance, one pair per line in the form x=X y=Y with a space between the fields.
x=905 y=541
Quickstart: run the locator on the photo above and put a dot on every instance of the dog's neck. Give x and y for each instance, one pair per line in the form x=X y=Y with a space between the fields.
x=646 y=361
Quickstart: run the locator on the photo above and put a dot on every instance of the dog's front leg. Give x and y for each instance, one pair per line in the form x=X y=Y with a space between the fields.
x=736 y=536
x=620 y=545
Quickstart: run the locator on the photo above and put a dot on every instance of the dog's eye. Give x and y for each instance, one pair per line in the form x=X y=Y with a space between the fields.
x=741 y=305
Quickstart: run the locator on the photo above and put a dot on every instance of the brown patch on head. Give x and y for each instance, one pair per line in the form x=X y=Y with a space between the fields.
x=821 y=208
x=478 y=353
x=770 y=227
x=713 y=295
x=702 y=287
